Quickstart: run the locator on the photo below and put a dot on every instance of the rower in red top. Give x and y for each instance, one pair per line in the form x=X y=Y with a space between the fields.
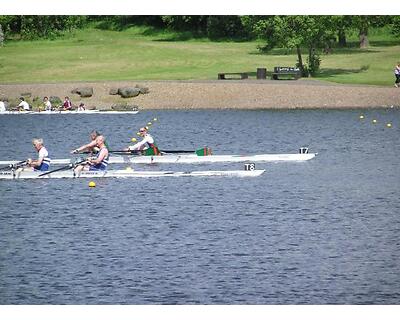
x=147 y=146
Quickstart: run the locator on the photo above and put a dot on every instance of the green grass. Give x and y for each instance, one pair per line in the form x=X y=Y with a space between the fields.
x=140 y=53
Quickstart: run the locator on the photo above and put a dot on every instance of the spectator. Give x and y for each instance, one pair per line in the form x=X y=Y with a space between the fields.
x=81 y=107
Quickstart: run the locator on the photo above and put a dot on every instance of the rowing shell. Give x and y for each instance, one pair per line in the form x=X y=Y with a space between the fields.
x=191 y=158
x=128 y=174
x=70 y=112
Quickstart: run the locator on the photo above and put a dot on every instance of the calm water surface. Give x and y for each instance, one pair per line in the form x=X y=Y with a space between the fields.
x=326 y=231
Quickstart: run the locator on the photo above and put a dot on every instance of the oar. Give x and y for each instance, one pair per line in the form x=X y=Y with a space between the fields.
x=14 y=165
x=138 y=152
x=70 y=166
x=178 y=151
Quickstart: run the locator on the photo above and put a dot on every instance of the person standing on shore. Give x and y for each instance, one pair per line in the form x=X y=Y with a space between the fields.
x=397 y=75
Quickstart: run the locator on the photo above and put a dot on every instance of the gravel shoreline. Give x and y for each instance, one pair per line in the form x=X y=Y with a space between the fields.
x=222 y=94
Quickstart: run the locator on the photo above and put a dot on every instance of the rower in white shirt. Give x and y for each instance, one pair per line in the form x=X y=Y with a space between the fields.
x=47 y=104
x=43 y=161
x=146 y=146
x=23 y=105
x=2 y=106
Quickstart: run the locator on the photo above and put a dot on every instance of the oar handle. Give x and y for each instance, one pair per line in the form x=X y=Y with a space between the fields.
x=14 y=165
x=70 y=166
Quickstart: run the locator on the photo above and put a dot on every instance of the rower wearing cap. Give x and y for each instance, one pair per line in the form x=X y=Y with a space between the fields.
x=43 y=161
x=147 y=145
x=91 y=147
x=98 y=163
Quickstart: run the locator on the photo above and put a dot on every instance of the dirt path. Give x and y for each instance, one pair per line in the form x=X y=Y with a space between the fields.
x=241 y=94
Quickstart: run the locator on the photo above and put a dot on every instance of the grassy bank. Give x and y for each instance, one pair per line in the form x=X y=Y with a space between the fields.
x=146 y=54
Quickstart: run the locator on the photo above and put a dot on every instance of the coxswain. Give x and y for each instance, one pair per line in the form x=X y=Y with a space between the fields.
x=98 y=163
x=91 y=147
x=43 y=161
x=146 y=146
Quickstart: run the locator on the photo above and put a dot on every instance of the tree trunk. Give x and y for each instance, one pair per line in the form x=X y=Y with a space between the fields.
x=342 y=38
x=300 y=59
x=364 y=43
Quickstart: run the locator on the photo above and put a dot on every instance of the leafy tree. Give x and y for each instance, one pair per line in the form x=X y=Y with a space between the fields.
x=363 y=24
x=396 y=25
x=295 y=32
x=33 y=27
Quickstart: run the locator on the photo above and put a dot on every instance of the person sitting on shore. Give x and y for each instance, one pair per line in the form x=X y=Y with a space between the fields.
x=47 y=104
x=147 y=146
x=81 y=107
x=23 y=105
x=43 y=161
x=397 y=75
x=98 y=163
x=67 y=105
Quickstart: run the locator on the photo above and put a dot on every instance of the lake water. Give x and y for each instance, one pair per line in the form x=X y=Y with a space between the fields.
x=324 y=231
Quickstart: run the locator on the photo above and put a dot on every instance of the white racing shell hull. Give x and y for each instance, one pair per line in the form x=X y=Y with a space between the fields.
x=127 y=174
x=69 y=112
x=192 y=158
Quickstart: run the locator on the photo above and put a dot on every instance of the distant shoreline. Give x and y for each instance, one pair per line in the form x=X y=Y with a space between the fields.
x=220 y=94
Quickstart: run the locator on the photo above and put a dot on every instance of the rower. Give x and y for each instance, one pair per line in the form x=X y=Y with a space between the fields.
x=91 y=146
x=43 y=161
x=23 y=105
x=147 y=146
x=98 y=163
x=47 y=104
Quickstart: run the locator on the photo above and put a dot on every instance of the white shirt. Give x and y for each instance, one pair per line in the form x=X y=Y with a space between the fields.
x=43 y=153
x=47 y=105
x=24 y=105
x=141 y=144
x=2 y=106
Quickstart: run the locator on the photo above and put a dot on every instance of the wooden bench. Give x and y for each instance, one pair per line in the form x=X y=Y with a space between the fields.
x=243 y=75
x=286 y=72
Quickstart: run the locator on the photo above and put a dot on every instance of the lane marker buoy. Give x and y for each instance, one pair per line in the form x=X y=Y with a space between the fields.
x=92 y=184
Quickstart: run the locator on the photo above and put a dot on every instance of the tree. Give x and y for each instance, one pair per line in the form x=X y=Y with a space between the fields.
x=396 y=25
x=295 y=32
x=363 y=23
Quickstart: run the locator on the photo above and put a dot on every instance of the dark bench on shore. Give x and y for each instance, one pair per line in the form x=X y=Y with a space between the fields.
x=243 y=75
x=292 y=72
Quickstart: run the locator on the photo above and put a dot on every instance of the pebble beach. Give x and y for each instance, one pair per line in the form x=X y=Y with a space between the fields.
x=219 y=94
